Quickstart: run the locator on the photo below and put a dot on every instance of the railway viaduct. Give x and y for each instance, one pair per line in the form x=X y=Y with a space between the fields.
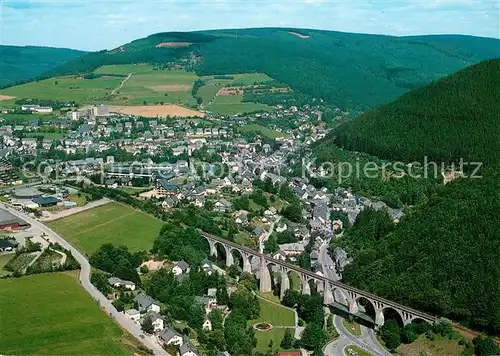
x=330 y=287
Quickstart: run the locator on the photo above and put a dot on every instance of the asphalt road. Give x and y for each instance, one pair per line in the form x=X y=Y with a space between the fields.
x=120 y=318
x=367 y=340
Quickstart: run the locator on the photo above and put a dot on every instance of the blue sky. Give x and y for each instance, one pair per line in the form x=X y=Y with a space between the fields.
x=95 y=25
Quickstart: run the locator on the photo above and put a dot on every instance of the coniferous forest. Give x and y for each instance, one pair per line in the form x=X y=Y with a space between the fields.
x=443 y=256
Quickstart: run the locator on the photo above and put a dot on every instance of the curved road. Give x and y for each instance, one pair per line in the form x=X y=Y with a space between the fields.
x=367 y=340
x=120 y=318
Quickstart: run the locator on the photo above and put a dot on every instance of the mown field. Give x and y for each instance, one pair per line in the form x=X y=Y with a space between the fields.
x=264 y=131
x=51 y=314
x=276 y=315
x=114 y=223
x=66 y=88
x=232 y=105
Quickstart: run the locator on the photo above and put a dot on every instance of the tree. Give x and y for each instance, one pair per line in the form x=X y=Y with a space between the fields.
x=485 y=347
x=313 y=337
x=287 y=341
x=391 y=334
x=271 y=245
x=222 y=295
x=100 y=281
x=147 y=325
x=293 y=213
x=196 y=315
x=234 y=271
x=119 y=305
x=215 y=317
x=56 y=82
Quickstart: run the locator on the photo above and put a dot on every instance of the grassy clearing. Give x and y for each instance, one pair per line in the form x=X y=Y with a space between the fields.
x=114 y=223
x=439 y=346
x=359 y=351
x=250 y=78
x=134 y=190
x=47 y=135
x=55 y=316
x=264 y=131
x=353 y=327
x=265 y=337
x=244 y=239
x=78 y=198
x=295 y=282
x=124 y=69
x=274 y=314
x=232 y=105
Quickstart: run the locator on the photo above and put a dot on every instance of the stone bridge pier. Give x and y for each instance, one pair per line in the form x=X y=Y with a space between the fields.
x=264 y=277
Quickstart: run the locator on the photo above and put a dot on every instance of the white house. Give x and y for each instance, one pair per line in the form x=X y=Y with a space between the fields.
x=171 y=337
x=206 y=266
x=188 y=350
x=156 y=320
x=117 y=282
x=133 y=314
x=207 y=325
x=147 y=303
x=180 y=267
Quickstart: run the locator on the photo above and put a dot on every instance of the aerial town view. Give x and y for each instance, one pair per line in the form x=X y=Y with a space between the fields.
x=250 y=178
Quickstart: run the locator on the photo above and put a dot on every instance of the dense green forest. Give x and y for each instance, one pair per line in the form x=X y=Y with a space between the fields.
x=442 y=258
x=353 y=71
x=455 y=117
x=23 y=63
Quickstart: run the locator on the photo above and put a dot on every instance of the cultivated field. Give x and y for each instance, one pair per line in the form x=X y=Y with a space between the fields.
x=157 y=110
x=53 y=315
x=114 y=223
x=147 y=86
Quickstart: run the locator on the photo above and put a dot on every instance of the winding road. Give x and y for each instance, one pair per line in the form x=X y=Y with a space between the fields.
x=120 y=318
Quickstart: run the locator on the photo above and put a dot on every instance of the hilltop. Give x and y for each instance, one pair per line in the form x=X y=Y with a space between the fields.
x=24 y=63
x=352 y=71
x=455 y=117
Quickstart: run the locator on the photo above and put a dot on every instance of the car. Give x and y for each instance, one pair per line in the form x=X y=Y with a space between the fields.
x=331 y=266
x=142 y=336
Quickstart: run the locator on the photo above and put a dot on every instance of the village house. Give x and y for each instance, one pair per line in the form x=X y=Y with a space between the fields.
x=117 y=283
x=171 y=337
x=133 y=314
x=180 y=268
x=187 y=349
x=156 y=320
x=145 y=302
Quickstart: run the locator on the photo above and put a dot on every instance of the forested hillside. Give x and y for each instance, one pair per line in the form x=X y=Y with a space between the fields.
x=456 y=117
x=353 y=71
x=23 y=63
x=443 y=258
